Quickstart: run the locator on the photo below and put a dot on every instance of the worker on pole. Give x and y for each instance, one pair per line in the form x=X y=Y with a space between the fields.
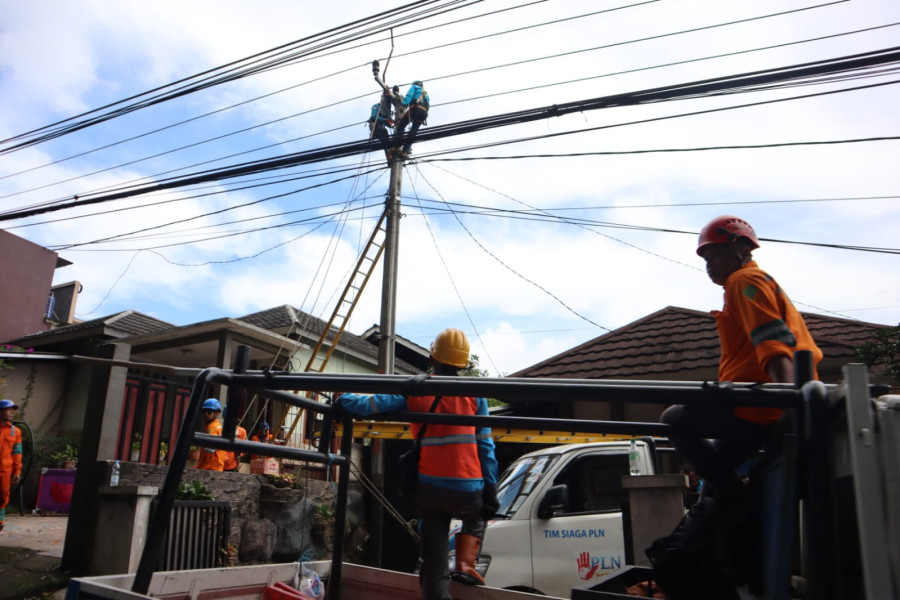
x=413 y=108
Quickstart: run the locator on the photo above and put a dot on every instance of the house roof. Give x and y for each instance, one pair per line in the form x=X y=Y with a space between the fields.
x=118 y=325
x=292 y=321
x=145 y=331
x=287 y=319
x=678 y=343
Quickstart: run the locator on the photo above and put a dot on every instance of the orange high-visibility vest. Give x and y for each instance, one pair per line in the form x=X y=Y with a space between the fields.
x=449 y=451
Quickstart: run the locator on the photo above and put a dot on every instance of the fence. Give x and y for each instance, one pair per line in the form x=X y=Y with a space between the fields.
x=197 y=537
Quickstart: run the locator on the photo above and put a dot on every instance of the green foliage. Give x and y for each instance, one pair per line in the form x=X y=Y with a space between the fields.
x=325 y=511
x=5 y=366
x=47 y=450
x=473 y=370
x=882 y=352
x=284 y=480
x=195 y=490
x=69 y=452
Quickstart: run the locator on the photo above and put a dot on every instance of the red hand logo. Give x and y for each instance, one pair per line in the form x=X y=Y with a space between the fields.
x=585 y=570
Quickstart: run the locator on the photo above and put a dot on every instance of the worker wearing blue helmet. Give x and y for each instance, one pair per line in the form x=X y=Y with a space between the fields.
x=210 y=458
x=10 y=454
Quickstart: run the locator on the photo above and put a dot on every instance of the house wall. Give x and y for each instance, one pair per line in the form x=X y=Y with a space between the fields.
x=39 y=388
x=76 y=398
x=27 y=274
x=41 y=406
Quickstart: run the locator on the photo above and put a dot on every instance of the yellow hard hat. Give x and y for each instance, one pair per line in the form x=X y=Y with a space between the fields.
x=451 y=347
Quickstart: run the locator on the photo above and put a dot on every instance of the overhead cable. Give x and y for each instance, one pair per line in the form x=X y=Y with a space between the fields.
x=733 y=84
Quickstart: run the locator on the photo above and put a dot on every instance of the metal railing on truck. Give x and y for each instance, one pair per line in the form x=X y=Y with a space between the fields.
x=809 y=401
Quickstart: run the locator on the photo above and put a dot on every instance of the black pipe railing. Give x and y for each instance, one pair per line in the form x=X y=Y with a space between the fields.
x=274 y=386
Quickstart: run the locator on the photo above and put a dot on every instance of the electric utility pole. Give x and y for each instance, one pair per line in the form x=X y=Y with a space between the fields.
x=389 y=284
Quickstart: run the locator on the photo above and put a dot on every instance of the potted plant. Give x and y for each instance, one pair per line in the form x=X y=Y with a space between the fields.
x=163 y=452
x=136 y=447
x=66 y=456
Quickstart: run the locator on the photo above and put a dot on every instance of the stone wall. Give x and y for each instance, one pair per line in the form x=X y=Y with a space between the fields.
x=269 y=523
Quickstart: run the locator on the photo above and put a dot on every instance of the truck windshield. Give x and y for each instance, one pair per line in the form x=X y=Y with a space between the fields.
x=519 y=480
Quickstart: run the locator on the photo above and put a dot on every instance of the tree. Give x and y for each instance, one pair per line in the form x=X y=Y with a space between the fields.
x=473 y=371
x=882 y=352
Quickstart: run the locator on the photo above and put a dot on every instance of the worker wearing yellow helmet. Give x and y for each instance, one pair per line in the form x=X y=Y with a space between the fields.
x=457 y=470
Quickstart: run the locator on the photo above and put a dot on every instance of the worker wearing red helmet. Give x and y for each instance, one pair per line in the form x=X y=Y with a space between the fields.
x=759 y=331
x=10 y=454
x=457 y=470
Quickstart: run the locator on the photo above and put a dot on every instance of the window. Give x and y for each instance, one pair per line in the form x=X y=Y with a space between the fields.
x=519 y=480
x=595 y=483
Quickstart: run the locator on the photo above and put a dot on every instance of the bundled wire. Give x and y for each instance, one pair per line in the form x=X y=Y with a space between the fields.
x=848 y=66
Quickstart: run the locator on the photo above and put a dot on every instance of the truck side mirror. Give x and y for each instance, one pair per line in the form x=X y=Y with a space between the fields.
x=555 y=501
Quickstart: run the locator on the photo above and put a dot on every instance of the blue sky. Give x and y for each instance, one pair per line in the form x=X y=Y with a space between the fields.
x=523 y=289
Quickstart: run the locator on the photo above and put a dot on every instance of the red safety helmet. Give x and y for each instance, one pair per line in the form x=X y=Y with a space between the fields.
x=725 y=229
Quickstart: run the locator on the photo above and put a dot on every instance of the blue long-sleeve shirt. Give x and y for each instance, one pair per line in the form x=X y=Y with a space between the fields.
x=413 y=94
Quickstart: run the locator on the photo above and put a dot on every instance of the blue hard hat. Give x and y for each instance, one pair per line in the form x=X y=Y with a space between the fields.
x=5 y=403
x=213 y=404
x=263 y=425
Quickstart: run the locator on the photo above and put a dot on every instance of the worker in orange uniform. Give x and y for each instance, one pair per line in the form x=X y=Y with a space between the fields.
x=759 y=331
x=262 y=435
x=10 y=454
x=457 y=470
x=210 y=458
x=231 y=459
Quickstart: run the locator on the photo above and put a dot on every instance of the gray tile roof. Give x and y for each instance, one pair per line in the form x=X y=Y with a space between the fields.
x=280 y=319
x=121 y=324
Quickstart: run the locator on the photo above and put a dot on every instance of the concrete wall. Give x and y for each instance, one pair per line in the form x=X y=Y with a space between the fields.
x=27 y=274
x=268 y=524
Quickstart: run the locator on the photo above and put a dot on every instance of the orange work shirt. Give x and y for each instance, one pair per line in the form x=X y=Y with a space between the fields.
x=10 y=449
x=757 y=323
x=211 y=459
x=231 y=461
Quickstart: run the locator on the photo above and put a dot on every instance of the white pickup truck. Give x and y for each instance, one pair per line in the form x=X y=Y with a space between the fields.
x=560 y=522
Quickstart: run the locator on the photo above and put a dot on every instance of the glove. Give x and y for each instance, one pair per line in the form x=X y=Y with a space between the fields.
x=489 y=503
x=340 y=412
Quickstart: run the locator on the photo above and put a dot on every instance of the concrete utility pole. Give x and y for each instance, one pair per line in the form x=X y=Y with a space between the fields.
x=389 y=285
x=388 y=335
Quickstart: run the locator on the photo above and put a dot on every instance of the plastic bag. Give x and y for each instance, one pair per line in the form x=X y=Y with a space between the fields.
x=310 y=584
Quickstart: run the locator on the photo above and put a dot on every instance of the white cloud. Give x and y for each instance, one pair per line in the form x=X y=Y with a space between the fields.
x=60 y=58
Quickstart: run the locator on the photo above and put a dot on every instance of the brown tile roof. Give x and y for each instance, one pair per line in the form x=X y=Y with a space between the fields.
x=679 y=343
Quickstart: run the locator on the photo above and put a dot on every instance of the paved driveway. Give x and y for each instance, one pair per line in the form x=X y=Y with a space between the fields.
x=41 y=534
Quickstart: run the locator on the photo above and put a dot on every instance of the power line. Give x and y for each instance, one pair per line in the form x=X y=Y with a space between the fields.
x=464 y=73
x=238 y=69
x=732 y=84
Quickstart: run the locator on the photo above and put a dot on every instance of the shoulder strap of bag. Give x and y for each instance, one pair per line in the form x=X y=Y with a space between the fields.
x=425 y=425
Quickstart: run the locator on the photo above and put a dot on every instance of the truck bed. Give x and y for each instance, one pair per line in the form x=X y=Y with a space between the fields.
x=247 y=583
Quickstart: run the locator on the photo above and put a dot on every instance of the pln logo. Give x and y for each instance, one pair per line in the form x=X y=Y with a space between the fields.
x=591 y=566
